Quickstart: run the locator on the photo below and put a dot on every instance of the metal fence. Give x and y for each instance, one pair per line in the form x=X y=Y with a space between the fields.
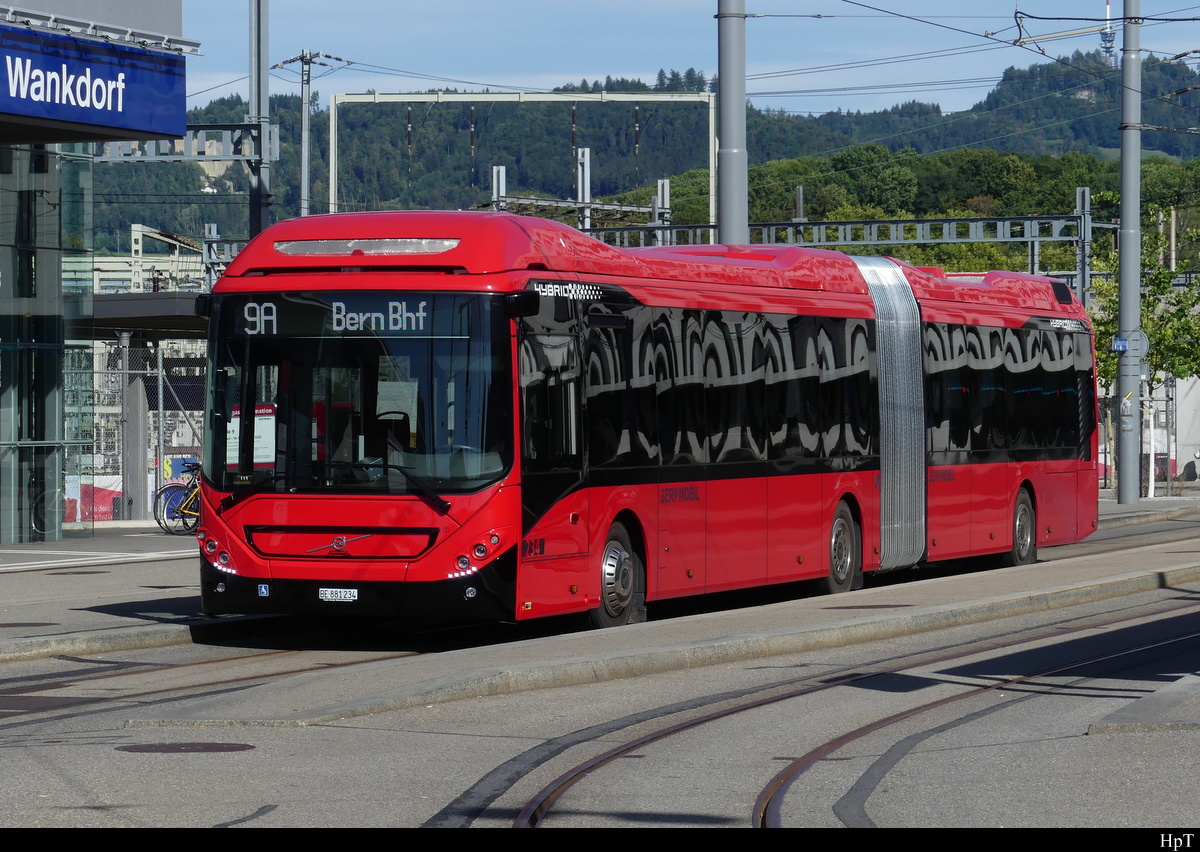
x=1168 y=462
x=148 y=411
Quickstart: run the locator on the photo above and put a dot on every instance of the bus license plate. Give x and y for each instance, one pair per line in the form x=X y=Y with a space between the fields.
x=338 y=594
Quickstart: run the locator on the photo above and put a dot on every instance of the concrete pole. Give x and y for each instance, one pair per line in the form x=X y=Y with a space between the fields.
x=260 y=107
x=333 y=153
x=1129 y=247
x=1083 y=208
x=306 y=57
x=733 y=214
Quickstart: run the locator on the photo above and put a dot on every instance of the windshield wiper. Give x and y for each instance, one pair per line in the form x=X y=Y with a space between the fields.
x=438 y=502
x=250 y=490
x=432 y=496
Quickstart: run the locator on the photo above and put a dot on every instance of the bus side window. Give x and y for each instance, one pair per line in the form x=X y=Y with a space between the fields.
x=550 y=401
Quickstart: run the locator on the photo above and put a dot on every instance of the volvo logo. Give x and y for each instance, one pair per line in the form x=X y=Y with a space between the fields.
x=338 y=544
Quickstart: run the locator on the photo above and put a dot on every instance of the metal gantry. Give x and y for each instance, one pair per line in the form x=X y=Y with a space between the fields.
x=201 y=142
x=1033 y=231
x=658 y=213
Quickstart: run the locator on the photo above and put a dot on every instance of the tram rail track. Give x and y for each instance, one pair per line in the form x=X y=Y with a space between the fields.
x=767 y=808
x=51 y=685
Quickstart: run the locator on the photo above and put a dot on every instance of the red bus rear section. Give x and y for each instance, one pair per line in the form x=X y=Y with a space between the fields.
x=483 y=416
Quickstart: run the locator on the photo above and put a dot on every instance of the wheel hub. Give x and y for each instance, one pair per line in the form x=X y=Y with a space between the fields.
x=1023 y=534
x=617 y=579
x=839 y=551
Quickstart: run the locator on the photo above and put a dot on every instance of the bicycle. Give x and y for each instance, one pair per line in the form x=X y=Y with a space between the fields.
x=177 y=505
x=44 y=508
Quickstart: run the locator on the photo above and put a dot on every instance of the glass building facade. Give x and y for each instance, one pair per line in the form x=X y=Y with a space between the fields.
x=76 y=73
x=45 y=342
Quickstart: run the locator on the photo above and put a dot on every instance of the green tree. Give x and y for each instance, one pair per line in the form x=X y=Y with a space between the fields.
x=1170 y=314
x=878 y=178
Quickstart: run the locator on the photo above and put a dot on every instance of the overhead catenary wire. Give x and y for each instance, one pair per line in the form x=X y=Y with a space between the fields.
x=915 y=87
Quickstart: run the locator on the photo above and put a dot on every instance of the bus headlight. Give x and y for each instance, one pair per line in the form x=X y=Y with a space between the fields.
x=221 y=561
x=224 y=563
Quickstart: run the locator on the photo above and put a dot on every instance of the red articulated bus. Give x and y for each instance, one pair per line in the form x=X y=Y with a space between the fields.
x=486 y=416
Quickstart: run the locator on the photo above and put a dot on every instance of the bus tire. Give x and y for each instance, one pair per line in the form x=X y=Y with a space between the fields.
x=845 y=552
x=1024 y=532
x=622 y=583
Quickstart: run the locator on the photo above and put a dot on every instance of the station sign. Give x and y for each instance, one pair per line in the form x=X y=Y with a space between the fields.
x=92 y=88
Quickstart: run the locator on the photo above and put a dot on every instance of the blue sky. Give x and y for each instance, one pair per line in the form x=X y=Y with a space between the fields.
x=807 y=56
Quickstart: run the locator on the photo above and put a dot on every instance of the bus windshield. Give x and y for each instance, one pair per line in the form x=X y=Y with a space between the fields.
x=358 y=392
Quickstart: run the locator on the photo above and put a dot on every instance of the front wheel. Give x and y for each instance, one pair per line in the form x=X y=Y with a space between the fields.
x=622 y=583
x=845 y=553
x=1024 y=539
x=181 y=510
x=189 y=510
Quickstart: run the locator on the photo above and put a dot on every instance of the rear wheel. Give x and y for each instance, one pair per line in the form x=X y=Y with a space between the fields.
x=622 y=582
x=1024 y=529
x=845 y=553
x=168 y=499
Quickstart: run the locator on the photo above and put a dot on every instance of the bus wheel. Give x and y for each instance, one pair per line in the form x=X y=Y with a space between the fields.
x=622 y=583
x=1024 y=529
x=845 y=553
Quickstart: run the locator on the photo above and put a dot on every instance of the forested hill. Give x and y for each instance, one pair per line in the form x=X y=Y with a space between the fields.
x=440 y=156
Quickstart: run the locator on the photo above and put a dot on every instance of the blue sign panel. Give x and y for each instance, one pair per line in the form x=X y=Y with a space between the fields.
x=60 y=78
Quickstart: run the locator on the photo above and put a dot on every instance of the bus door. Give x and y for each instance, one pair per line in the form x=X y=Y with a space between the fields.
x=680 y=564
x=796 y=543
x=948 y=488
x=736 y=430
x=554 y=565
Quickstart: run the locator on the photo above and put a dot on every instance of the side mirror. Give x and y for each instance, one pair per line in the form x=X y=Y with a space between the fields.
x=523 y=303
